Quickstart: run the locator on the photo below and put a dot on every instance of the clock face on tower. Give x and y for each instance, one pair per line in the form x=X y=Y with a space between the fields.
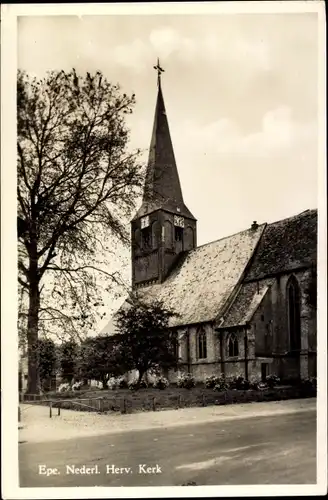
x=145 y=222
x=178 y=221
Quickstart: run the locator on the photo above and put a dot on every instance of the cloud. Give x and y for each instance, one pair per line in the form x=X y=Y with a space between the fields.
x=134 y=55
x=278 y=134
x=161 y=42
x=165 y=42
x=211 y=47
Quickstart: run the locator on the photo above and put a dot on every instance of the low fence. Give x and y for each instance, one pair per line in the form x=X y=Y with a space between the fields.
x=93 y=405
x=143 y=401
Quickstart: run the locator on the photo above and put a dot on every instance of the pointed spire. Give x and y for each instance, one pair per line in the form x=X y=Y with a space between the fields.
x=162 y=185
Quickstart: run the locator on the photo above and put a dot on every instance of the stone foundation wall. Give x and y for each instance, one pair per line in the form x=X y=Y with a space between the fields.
x=201 y=371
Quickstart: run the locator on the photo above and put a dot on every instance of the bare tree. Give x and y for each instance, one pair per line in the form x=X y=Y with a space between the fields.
x=77 y=186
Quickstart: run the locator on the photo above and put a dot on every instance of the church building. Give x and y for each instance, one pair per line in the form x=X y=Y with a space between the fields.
x=246 y=302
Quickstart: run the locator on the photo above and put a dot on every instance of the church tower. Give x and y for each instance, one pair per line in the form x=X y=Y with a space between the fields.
x=163 y=227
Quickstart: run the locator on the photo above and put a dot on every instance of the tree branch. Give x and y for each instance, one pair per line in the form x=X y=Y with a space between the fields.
x=22 y=283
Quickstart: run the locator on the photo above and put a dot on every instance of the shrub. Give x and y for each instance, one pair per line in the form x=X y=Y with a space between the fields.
x=309 y=384
x=212 y=381
x=161 y=383
x=239 y=383
x=186 y=381
x=117 y=383
x=112 y=384
x=221 y=384
x=77 y=386
x=245 y=385
x=254 y=383
x=122 y=383
x=94 y=387
x=133 y=385
x=64 y=387
x=272 y=380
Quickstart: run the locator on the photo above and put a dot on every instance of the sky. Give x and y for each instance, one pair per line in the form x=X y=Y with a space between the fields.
x=241 y=95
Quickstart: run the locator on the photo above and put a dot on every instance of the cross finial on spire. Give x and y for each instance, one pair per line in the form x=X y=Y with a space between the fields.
x=159 y=71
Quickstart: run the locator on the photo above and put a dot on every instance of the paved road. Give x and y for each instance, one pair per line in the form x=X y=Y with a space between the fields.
x=280 y=449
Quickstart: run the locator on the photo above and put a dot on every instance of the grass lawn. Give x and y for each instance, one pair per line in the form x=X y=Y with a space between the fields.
x=150 y=399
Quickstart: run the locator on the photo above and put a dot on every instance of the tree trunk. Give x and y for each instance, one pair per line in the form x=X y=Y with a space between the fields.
x=104 y=381
x=32 y=326
x=141 y=374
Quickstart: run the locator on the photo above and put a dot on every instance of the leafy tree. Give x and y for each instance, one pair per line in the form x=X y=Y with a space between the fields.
x=76 y=188
x=145 y=337
x=69 y=355
x=101 y=359
x=47 y=361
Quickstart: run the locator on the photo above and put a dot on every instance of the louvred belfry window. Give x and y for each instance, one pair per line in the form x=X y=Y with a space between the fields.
x=146 y=236
x=178 y=233
x=178 y=227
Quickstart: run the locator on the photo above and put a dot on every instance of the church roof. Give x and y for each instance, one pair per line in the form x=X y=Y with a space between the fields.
x=162 y=188
x=246 y=303
x=286 y=245
x=198 y=289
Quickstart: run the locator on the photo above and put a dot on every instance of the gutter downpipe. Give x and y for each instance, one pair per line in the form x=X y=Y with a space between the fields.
x=188 y=350
x=246 y=353
x=221 y=335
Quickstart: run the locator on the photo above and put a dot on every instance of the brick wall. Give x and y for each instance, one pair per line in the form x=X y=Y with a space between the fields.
x=188 y=352
x=146 y=267
x=155 y=262
x=267 y=341
x=263 y=326
x=271 y=328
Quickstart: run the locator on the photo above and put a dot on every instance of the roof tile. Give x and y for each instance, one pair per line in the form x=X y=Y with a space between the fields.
x=246 y=303
x=199 y=288
x=286 y=245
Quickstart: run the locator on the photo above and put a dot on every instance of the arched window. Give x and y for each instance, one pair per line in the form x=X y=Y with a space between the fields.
x=155 y=229
x=178 y=233
x=294 y=314
x=233 y=348
x=146 y=238
x=201 y=344
x=137 y=240
x=168 y=229
x=188 y=238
